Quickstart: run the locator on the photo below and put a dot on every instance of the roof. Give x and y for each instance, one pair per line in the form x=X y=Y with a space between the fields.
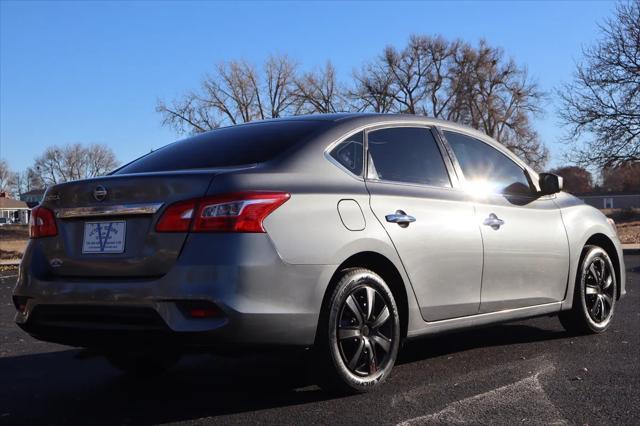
x=370 y=117
x=33 y=192
x=10 y=203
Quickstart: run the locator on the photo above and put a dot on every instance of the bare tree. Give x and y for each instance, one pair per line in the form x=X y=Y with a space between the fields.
x=27 y=181
x=576 y=179
x=624 y=176
x=451 y=80
x=373 y=89
x=603 y=101
x=408 y=69
x=497 y=97
x=455 y=81
x=7 y=177
x=237 y=92
x=73 y=162
x=319 y=92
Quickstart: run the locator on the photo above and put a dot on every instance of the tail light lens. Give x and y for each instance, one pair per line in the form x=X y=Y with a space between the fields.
x=237 y=212
x=42 y=223
x=177 y=217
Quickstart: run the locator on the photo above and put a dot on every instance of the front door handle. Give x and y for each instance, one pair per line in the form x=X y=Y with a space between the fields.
x=401 y=218
x=493 y=221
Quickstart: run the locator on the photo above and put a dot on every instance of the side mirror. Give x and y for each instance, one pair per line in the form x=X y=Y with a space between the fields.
x=550 y=183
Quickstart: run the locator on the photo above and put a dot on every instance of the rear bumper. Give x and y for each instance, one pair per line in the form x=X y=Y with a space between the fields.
x=263 y=301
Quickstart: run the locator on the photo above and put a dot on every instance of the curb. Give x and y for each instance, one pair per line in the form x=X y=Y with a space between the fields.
x=631 y=248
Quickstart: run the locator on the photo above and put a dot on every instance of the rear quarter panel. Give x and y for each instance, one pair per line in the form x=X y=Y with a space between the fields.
x=307 y=229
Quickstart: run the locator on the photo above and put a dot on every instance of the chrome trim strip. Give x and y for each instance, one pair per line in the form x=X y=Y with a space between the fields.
x=114 y=210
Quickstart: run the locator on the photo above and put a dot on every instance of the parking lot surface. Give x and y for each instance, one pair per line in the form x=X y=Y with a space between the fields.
x=527 y=372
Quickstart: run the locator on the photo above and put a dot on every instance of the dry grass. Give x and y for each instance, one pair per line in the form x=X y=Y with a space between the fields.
x=13 y=241
x=629 y=232
x=14 y=232
x=627 y=222
x=12 y=249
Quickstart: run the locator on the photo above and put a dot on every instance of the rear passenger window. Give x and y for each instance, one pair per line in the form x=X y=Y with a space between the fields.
x=486 y=168
x=406 y=154
x=349 y=153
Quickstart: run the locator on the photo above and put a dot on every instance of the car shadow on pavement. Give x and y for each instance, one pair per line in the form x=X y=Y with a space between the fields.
x=72 y=386
x=459 y=341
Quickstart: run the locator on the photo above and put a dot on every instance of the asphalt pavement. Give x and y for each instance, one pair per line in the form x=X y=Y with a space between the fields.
x=526 y=372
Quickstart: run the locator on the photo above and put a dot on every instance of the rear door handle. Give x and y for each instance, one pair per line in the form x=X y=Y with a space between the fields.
x=493 y=221
x=401 y=218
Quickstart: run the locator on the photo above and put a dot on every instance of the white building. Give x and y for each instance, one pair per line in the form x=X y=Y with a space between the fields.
x=14 y=210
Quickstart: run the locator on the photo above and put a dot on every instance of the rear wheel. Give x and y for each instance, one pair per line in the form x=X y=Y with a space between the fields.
x=358 y=335
x=143 y=364
x=594 y=295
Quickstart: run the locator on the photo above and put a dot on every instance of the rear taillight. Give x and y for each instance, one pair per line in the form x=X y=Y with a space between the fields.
x=237 y=212
x=177 y=217
x=42 y=223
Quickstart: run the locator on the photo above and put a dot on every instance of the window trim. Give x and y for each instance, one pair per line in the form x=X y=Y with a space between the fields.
x=448 y=164
x=508 y=155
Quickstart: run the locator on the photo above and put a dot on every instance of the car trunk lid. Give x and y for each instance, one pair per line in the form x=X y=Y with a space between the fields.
x=106 y=226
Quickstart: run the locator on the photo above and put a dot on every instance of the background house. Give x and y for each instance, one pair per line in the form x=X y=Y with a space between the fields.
x=14 y=210
x=611 y=200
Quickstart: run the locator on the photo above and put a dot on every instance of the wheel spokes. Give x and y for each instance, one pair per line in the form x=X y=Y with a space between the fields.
x=599 y=289
x=608 y=299
x=349 y=333
x=592 y=289
x=353 y=363
x=594 y=274
x=381 y=319
x=371 y=295
x=355 y=309
x=594 y=308
x=607 y=283
x=383 y=342
x=362 y=329
x=371 y=356
x=602 y=308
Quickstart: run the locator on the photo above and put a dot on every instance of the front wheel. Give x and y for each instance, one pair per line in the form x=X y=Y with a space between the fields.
x=594 y=295
x=358 y=335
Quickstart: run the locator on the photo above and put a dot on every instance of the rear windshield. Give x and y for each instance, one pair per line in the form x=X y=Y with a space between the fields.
x=229 y=146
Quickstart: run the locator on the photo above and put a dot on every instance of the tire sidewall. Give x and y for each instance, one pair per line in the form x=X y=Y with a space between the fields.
x=591 y=254
x=349 y=282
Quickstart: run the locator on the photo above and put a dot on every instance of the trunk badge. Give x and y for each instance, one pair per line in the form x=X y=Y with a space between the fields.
x=100 y=193
x=55 y=263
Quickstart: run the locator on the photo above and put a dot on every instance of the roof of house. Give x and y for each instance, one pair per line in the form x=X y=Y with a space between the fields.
x=10 y=203
x=33 y=192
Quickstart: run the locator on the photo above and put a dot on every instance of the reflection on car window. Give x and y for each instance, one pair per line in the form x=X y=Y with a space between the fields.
x=407 y=154
x=485 y=168
x=349 y=153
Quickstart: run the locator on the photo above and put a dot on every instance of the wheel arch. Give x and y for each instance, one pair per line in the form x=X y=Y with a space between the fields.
x=384 y=267
x=601 y=240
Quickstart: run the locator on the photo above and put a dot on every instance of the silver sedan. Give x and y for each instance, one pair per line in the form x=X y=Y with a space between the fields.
x=343 y=234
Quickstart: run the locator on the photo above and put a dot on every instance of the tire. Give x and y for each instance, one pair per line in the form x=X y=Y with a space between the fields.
x=594 y=296
x=143 y=364
x=357 y=341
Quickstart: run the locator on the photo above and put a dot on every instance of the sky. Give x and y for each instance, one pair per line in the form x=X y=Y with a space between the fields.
x=92 y=72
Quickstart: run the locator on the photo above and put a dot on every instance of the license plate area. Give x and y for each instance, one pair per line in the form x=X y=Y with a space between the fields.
x=104 y=237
